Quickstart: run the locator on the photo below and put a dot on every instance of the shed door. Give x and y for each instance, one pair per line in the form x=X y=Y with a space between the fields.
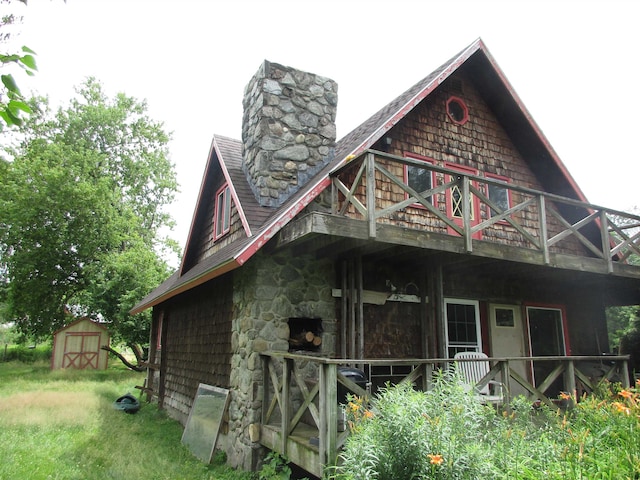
x=81 y=350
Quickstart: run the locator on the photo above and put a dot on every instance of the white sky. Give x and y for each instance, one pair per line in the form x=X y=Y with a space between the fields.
x=573 y=63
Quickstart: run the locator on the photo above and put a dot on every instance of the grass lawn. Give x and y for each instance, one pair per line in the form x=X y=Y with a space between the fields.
x=62 y=425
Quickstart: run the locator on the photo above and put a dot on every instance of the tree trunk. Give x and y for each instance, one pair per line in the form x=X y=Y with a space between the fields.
x=136 y=368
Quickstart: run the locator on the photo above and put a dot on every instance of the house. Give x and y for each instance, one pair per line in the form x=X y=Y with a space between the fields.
x=79 y=345
x=443 y=223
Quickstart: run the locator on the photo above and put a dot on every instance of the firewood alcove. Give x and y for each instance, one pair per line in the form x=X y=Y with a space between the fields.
x=305 y=334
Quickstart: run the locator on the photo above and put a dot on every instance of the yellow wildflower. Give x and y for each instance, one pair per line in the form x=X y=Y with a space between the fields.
x=435 y=459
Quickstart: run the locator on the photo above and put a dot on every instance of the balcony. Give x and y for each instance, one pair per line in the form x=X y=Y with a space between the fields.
x=371 y=200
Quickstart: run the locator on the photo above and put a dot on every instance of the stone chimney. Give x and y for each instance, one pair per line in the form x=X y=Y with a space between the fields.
x=288 y=130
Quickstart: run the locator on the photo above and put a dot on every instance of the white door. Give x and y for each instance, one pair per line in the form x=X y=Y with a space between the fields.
x=507 y=339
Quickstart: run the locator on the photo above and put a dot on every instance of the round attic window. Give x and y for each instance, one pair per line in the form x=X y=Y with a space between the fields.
x=457 y=110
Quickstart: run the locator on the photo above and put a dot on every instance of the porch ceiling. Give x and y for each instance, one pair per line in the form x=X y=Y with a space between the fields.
x=331 y=236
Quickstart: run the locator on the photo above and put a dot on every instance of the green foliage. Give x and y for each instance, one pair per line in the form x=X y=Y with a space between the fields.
x=620 y=320
x=412 y=434
x=274 y=468
x=83 y=209
x=25 y=354
x=447 y=434
x=12 y=104
x=61 y=424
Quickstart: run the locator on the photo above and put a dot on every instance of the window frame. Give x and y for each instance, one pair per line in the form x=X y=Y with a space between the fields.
x=463 y=106
x=222 y=212
x=432 y=176
x=501 y=178
x=476 y=216
x=468 y=347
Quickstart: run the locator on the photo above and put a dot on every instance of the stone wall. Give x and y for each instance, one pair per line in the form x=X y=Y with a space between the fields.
x=288 y=130
x=267 y=292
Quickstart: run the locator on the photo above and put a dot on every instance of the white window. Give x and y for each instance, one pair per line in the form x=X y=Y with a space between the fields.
x=462 y=326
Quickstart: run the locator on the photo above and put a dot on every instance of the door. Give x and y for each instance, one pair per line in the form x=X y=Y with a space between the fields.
x=507 y=340
x=546 y=338
x=454 y=201
x=81 y=350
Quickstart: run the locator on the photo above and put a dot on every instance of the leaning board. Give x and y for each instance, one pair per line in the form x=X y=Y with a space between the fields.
x=201 y=433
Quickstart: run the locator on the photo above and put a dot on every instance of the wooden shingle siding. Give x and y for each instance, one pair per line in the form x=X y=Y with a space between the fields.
x=207 y=246
x=480 y=144
x=199 y=346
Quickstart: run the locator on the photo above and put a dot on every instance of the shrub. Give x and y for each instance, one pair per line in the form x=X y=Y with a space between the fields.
x=22 y=353
x=411 y=434
x=447 y=434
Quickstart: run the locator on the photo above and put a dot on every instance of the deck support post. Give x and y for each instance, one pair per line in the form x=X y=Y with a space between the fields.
x=506 y=390
x=287 y=367
x=570 y=380
x=328 y=414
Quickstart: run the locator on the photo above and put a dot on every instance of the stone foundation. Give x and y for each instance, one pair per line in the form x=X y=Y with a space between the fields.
x=267 y=292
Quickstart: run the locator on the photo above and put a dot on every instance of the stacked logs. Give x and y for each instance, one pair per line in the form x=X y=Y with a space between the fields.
x=305 y=339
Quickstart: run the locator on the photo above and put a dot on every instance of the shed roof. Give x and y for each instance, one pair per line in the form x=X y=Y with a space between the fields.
x=262 y=223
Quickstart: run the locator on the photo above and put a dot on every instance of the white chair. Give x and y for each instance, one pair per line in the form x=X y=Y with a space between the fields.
x=474 y=371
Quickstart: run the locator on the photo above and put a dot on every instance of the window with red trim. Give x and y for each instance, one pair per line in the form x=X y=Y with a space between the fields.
x=457 y=110
x=222 y=219
x=454 y=199
x=419 y=179
x=498 y=194
x=159 y=331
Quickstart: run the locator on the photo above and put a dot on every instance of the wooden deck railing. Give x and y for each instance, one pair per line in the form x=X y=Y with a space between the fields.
x=543 y=222
x=300 y=405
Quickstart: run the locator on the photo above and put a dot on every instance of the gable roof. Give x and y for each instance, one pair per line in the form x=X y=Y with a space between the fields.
x=262 y=223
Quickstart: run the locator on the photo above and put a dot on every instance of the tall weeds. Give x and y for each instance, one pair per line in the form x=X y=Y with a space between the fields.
x=447 y=434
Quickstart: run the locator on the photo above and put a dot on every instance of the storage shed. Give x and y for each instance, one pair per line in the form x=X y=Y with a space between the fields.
x=79 y=345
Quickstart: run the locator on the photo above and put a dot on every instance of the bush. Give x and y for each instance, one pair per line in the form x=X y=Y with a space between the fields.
x=411 y=434
x=25 y=354
x=447 y=434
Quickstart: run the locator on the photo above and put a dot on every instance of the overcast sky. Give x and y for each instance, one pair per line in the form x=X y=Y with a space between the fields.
x=573 y=64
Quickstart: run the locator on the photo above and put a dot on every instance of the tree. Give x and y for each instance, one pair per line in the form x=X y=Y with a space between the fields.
x=12 y=104
x=82 y=212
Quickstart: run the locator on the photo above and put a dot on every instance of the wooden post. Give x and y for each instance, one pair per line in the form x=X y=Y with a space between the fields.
x=371 y=194
x=466 y=214
x=625 y=374
x=570 y=380
x=334 y=197
x=439 y=309
x=285 y=407
x=606 y=245
x=328 y=414
x=424 y=314
x=265 y=388
x=344 y=310
x=352 y=309
x=542 y=213
x=506 y=383
x=360 y=314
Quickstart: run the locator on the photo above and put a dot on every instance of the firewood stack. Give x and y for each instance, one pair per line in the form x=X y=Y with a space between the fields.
x=305 y=339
